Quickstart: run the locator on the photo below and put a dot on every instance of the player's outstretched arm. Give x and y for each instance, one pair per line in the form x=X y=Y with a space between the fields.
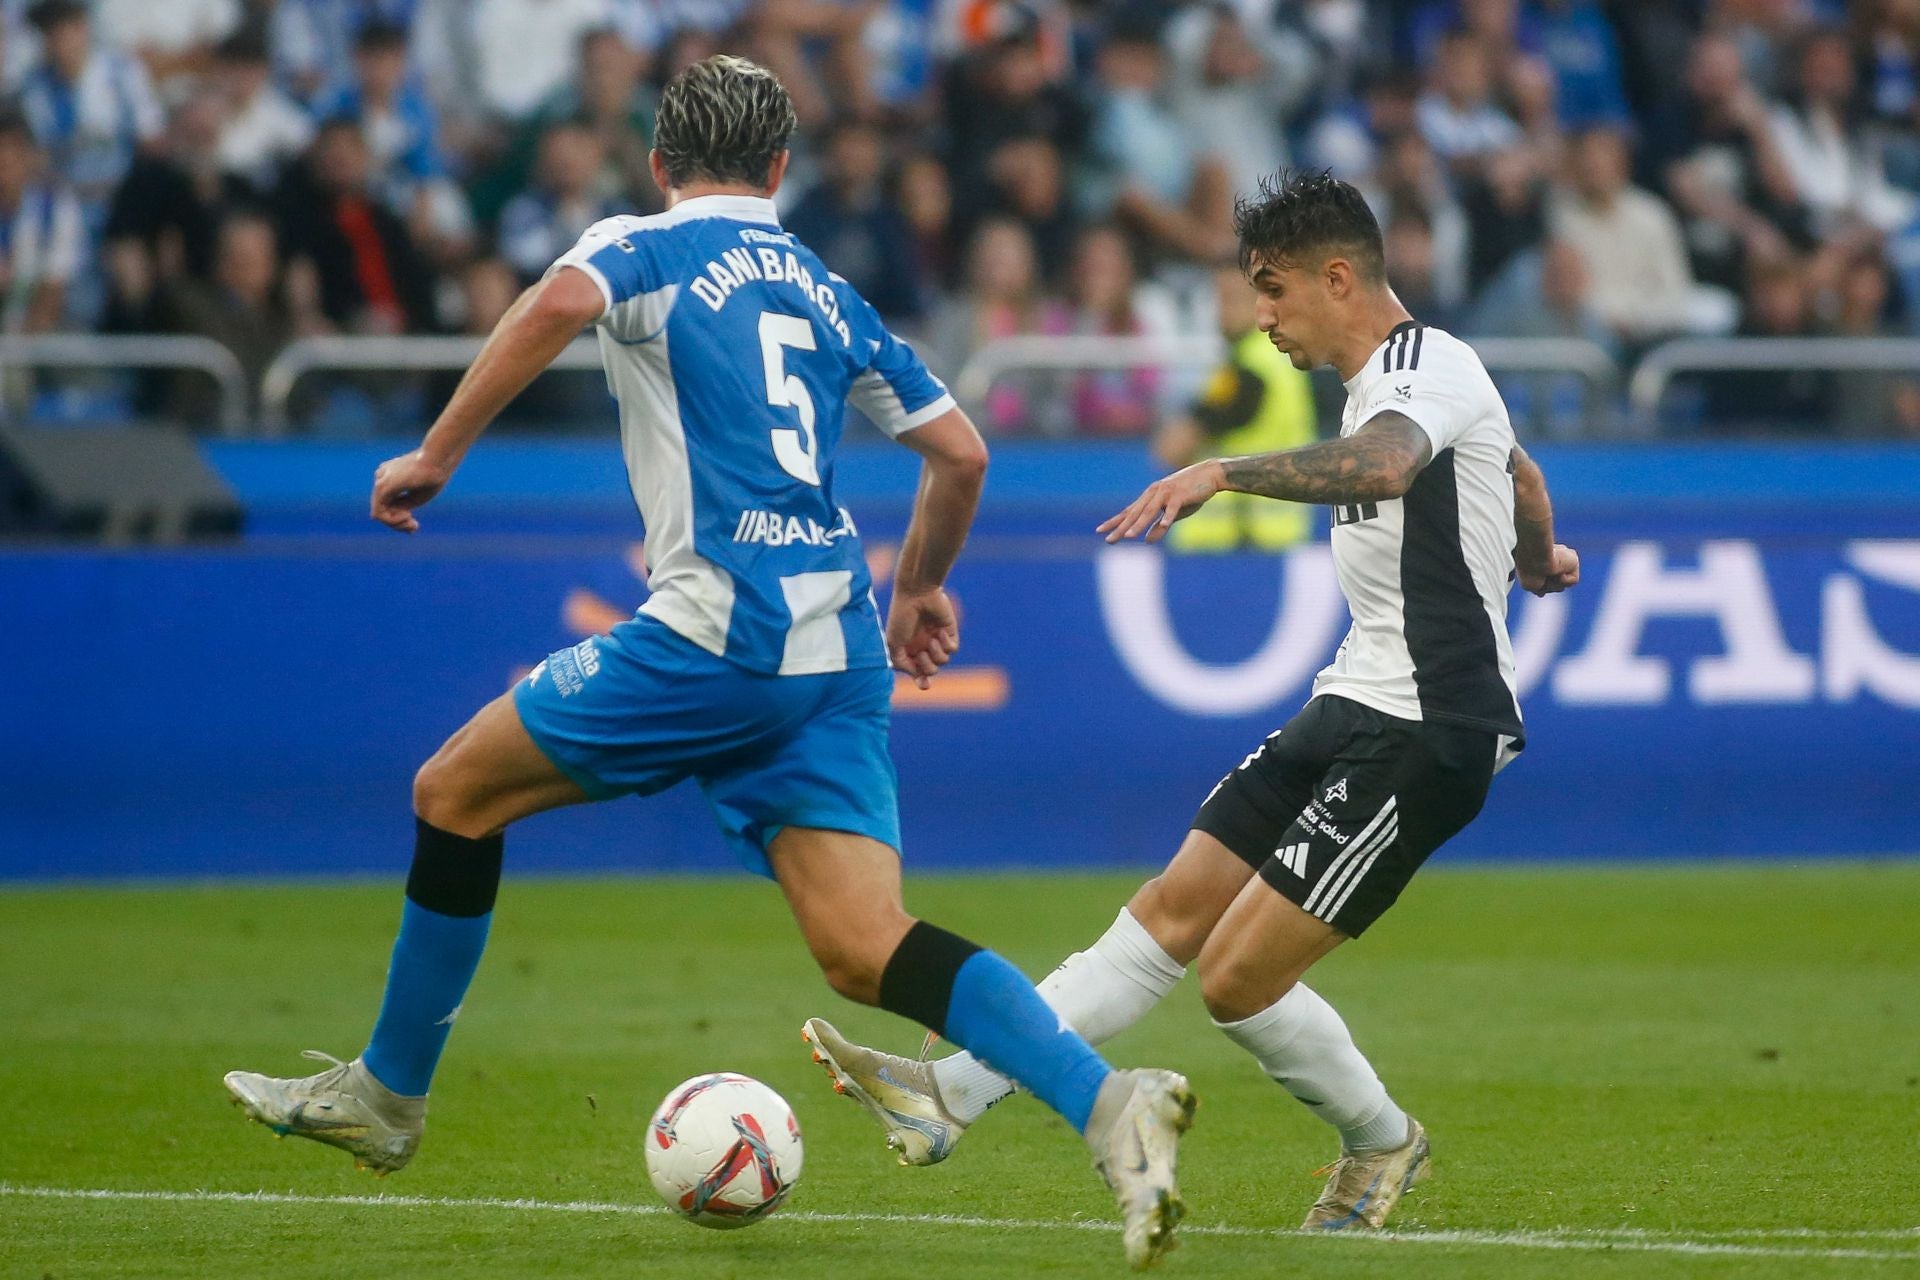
x=1378 y=461
x=1543 y=565
x=536 y=328
x=922 y=631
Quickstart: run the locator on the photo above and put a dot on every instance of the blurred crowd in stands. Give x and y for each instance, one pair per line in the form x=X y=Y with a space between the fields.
x=1622 y=171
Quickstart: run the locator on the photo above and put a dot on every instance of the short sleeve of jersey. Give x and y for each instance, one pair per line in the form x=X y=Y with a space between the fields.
x=622 y=256
x=896 y=389
x=1423 y=377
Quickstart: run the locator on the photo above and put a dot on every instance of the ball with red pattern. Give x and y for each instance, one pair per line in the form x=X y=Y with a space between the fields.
x=724 y=1150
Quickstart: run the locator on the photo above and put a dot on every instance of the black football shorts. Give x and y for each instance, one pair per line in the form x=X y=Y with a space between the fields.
x=1338 y=808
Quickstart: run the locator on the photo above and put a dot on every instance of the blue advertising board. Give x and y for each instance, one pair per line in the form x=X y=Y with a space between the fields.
x=261 y=709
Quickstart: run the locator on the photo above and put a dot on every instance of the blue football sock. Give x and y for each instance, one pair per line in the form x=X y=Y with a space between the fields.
x=998 y=1017
x=987 y=1007
x=443 y=930
x=434 y=960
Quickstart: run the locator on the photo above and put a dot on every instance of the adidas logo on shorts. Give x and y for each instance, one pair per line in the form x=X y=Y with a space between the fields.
x=1294 y=858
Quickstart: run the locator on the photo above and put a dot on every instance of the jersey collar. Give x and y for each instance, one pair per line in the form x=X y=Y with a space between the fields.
x=737 y=208
x=1392 y=333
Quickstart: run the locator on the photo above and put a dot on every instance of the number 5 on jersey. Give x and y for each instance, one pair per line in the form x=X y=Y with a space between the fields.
x=797 y=451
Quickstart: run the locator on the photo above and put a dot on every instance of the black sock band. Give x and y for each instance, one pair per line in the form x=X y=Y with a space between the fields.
x=454 y=875
x=918 y=981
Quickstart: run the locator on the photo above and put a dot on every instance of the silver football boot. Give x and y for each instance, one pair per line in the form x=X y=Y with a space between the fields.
x=343 y=1106
x=900 y=1093
x=1137 y=1152
x=1363 y=1187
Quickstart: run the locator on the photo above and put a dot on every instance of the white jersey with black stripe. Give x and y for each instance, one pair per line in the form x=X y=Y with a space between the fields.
x=1426 y=575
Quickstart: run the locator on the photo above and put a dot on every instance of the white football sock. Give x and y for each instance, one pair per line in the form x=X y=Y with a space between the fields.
x=1099 y=992
x=1301 y=1042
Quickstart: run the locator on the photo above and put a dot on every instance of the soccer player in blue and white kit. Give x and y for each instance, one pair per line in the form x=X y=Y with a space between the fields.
x=758 y=666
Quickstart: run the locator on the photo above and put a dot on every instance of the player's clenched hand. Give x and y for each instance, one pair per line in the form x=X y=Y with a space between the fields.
x=1179 y=495
x=402 y=484
x=1560 y=571
x=922 y=633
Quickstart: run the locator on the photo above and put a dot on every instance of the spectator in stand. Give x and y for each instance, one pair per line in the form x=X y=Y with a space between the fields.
x=1818 y=131
x=610 y=91
x=1410 y=179
x=1177 y=199
x=41 y=237
x=264 y=128
x=1544 y=293
x=1030 y=183
x=1232 y=82
x=174 y=38
x=848 y=217
x=166 y=216
x=91 y=107
x=1779 y=304
x=816 y=47
x=1110 y=300
x=1889 y=38
x=1728 y=176
x=1630 y=241
x=1766 y=32
x=402 y=131
x=368 y=276
x=612 y=96
x=312 y=40
x=1347 y=137
x=1506 y=211
x=242 y=306
x=1578 y=46
x=1004 y=298
x=394 y=115
x=522 y=53
x=901 y=67
x=1408 y=241
x=925 y=200
x=1458 y=115
x=541 y=223
x=1867 y=404
x=1000 y=92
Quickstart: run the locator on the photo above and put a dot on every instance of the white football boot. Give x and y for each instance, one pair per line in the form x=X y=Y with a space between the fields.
x=1363 y=1187
x=1136 y=1151
x=343 y=1106
x=900 y=1093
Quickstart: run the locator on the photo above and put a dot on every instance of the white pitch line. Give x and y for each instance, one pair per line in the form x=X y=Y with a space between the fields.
x=1625 y=1239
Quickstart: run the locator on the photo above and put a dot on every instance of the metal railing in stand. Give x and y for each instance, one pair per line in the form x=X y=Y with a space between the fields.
x=1078 y=351
x=406 y=355
x=1660 y=366
x=117 y=351
x=1585 y=360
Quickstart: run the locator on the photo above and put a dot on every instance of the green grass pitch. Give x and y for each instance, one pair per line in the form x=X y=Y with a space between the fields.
x=1627 y=1072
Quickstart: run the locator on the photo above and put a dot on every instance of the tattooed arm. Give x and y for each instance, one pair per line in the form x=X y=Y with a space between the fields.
x=1378 y=461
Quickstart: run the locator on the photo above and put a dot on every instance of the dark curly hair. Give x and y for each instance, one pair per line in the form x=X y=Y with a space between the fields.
x=1298 y=215
x=723 y=119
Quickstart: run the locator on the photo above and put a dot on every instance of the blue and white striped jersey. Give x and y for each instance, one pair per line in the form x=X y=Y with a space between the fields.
x=733 y=352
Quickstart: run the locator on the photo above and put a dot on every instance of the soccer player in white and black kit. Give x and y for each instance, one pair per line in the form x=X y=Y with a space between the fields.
x=1436 y=511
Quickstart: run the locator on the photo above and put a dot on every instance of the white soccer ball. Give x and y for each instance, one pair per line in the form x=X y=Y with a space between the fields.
x=724 y=1150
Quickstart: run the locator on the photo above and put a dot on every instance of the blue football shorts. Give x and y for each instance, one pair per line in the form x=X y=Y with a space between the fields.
x=642 y=708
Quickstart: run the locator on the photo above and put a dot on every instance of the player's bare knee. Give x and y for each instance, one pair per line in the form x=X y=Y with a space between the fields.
x=851 y=973
x=1179 y=928
x=1234 y=989
x=441 y=798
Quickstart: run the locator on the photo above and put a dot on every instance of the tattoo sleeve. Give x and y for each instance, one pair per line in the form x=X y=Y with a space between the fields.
x=1378 y=461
